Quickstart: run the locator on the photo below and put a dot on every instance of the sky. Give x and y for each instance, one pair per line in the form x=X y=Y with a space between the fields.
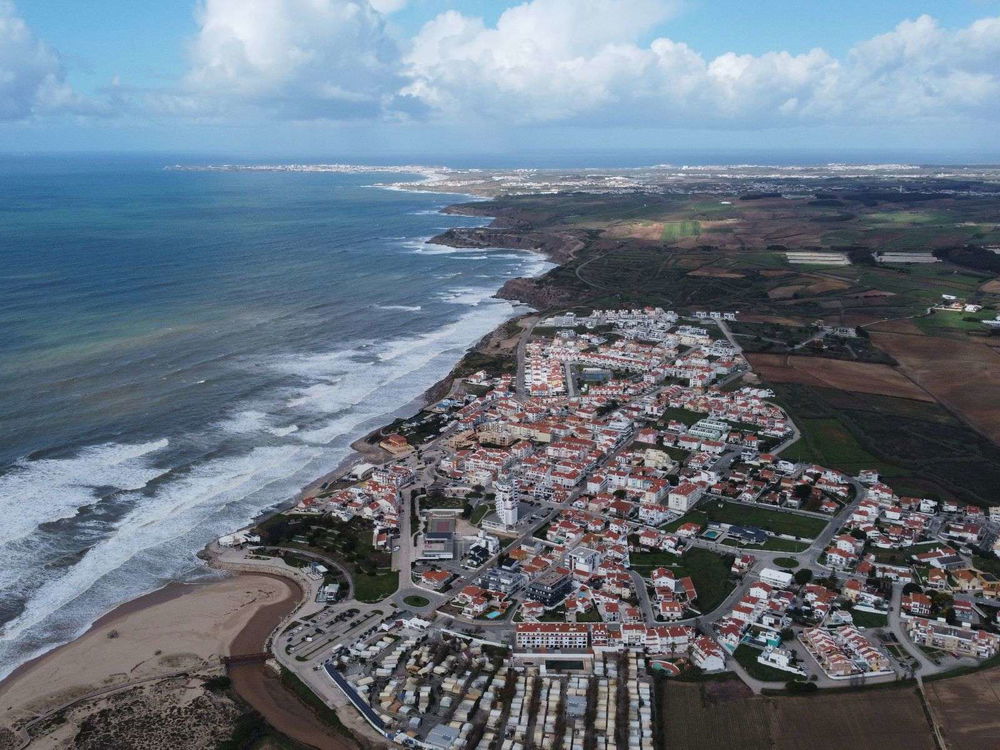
x=882 y=80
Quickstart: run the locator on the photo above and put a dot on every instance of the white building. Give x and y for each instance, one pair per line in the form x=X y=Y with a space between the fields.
x=506 y=504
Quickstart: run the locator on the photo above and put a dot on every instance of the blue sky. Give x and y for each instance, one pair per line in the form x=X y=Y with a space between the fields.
x=331 y=77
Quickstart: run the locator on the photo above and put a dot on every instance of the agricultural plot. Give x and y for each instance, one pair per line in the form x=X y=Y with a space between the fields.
x=968 y=708
x=893 y=435
x=964 y=375
x=676 y=230
x=861 y=377
x=891 y=719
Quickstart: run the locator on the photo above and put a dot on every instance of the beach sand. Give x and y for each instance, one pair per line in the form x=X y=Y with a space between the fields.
x=180 y=628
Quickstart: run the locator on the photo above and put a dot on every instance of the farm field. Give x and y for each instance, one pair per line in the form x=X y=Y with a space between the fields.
x=861 y=377
x=968 y=708
x=896 y=434
x=720 y=715
x=889 y=719
x=675 y=230
x=963 y=375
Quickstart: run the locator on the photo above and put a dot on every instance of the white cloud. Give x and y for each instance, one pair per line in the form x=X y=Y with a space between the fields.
x=32 y=79
x=298 y=58
x=580 y=61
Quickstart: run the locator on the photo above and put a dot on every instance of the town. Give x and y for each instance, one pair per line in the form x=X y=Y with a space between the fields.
x=615 y=511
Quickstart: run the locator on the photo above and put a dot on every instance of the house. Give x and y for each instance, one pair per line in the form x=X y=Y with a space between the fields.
x=916 y=604
x=435 y=579
x=708 y=655
x=395 y=444
x=684 y=497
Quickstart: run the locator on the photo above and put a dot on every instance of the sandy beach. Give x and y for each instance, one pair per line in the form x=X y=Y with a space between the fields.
x=180 y=629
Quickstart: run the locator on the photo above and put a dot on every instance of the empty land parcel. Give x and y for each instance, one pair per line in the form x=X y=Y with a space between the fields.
x=719 y=716
x=968 y=709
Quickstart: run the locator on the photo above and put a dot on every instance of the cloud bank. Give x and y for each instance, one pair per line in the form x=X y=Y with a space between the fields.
x=32 y=79
x=587 y=62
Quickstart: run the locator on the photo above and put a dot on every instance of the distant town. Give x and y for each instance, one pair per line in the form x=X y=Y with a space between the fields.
x=545 y=543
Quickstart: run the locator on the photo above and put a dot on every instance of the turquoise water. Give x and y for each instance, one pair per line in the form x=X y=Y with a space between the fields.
x=180 y=350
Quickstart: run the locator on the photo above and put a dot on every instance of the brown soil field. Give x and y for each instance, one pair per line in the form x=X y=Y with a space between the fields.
x=710 y=717
x=861 y=377
x=896 y=326
x=991 y=287
x=718 y=273
x=641 y=230
x=887 y=720
x=968 y=709
x=775 y=273
x=827 y=285
x=962 y=375
x=785 y=292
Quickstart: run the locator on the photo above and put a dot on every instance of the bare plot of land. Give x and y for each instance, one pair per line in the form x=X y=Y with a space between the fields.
x=861 y=377
x=969 y=709
x=702 y=716
x=888 y=720
x=963 y=375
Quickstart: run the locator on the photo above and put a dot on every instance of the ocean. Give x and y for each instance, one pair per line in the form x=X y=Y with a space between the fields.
x=182 y=350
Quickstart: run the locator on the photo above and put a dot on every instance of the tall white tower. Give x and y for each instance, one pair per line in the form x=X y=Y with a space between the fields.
x=506 y=504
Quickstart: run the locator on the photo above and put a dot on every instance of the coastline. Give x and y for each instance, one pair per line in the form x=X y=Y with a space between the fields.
x=182 y=630
x=173 y=597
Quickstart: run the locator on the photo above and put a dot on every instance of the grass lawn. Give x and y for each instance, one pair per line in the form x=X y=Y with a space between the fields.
x=747 y=657
x=416 y=601
x=786 y=562
x=376 y=587
x=771 y=545
x=481 y=511
x=591 y=615
x=710 y=574
x=869 y=619
x=681 y=415
x=770 y=520
x=650 y=560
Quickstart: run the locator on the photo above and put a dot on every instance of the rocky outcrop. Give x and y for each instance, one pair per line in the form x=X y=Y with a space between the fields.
x=558 y=247
x=536 y=293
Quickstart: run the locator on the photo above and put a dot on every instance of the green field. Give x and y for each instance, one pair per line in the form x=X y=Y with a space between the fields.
x=943 y=322
x=676 y=230
x=774 y=521
x=710 y=574
x=374 y=588
x=786 y=562
x=869 y=619
x=826 y=442
x=416 y=601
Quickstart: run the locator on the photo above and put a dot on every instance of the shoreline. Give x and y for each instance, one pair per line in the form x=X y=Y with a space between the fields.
x=181 y=630
x=360 y=451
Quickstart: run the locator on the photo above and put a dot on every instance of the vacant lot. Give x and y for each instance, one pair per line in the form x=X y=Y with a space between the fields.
x=889 y=719
x=748 y=515
x=863 y=377
x=962 y=375
x=719 y=715
x=968 y=709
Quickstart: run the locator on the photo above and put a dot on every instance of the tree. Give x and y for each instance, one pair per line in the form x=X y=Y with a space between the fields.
x=803 y=491
x=803 y=576
x=787 y=634
x=912 y=588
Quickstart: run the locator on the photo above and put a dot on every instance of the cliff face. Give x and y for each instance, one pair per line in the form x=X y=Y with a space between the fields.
x=558 y=247
x=535 y=293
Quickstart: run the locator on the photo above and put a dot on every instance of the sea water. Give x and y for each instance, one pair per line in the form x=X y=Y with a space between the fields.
x=180 y=350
